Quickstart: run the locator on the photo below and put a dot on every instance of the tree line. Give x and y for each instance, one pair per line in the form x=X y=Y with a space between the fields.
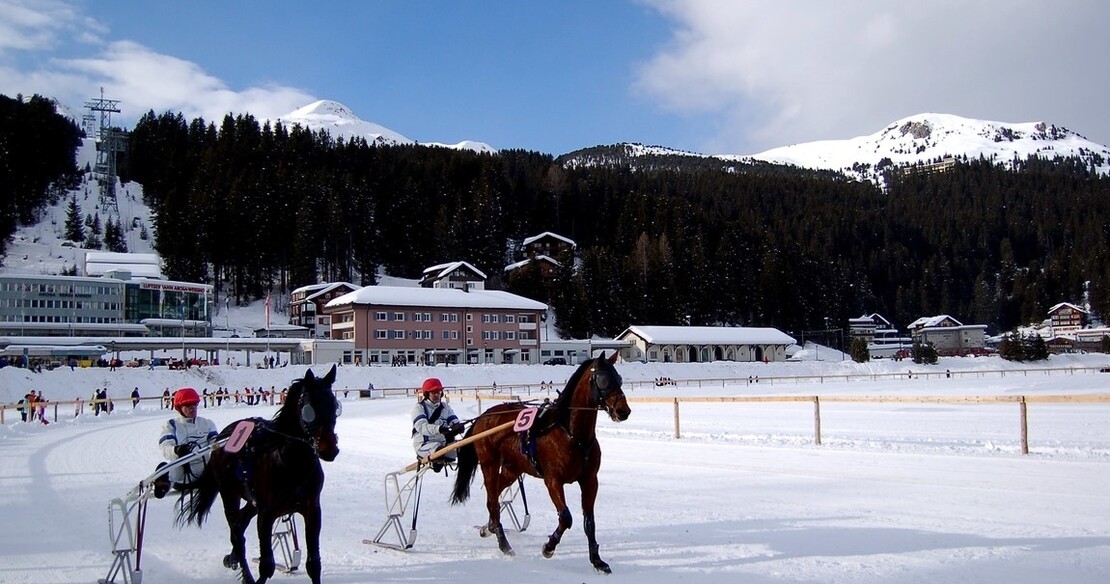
x=253 y=207
x=37 y=148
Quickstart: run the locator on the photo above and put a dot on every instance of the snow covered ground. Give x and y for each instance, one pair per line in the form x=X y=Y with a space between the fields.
x=897 y=492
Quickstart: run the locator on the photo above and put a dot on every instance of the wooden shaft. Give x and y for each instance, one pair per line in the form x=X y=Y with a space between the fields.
x=456 y=445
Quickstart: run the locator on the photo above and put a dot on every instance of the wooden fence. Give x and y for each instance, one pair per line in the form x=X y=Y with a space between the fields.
x=539 y=391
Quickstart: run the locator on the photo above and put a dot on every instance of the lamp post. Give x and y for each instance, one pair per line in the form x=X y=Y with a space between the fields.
x=227 y=328
x=184 y=355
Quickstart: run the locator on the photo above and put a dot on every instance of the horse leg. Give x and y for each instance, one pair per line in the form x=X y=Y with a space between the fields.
x=265 y=525
x=237 y=521
x=312 y=524
x=495 y=482
x=558 y=497
x=589 y=495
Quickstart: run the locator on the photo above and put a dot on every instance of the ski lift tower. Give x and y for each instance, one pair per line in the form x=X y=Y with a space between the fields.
x=109 y=141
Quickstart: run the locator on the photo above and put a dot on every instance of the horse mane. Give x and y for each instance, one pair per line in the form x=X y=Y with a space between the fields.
x=289 y=412
x=566 y=397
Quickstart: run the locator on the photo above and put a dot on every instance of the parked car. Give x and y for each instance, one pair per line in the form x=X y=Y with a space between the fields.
x=555 y=361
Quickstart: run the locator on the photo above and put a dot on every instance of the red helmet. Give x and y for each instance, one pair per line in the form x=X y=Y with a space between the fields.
x=431 y=384
x=186 y=396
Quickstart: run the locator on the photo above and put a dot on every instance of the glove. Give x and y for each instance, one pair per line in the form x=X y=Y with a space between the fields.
x=183 y=449
x=452 y=430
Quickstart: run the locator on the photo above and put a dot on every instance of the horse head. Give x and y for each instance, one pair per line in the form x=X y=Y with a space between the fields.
x=606 y=388
x=317 y=411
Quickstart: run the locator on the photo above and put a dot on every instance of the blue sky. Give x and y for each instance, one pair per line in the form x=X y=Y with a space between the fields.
x=710 y=76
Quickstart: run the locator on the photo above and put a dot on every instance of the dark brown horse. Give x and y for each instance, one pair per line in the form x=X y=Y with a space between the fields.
x=565 y=450
x=277 y=472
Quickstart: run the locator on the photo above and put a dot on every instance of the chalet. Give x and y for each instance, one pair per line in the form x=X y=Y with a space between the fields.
x=546 y=265
x=548 y=244
x=882 y=338
x=411 y=325
x=948 y=335
x=306 y=306
x=457 y=275
x=1066 y=319
x=696 y=344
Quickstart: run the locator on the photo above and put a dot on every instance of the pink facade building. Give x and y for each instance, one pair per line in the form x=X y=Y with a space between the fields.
x=408 y=325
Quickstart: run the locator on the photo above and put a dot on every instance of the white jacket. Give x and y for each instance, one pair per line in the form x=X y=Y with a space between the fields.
x=181 y=430
x=426 y=435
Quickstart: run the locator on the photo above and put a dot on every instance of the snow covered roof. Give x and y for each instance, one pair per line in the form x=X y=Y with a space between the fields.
x=121 y=258
x=147 y=265
x=442 y=270
x=931 y=321
x=535 y=238
x=136 y=270
x=313 y=290
x=538 y=258
x=1066 y=304
x=436 y=297
x=709 y=335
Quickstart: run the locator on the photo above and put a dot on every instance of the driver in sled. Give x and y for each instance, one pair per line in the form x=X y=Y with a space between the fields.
x=434 y=424
x=181 y=435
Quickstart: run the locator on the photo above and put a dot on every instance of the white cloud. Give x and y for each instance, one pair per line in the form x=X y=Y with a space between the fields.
x=150 y=80
x=781 y=73
x=32 y=34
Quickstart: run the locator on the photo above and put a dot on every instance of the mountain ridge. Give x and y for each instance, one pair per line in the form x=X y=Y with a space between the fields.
x=917 y=140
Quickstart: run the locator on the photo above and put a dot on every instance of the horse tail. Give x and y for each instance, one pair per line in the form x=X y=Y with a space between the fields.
x=197 y=502
x=467 y=461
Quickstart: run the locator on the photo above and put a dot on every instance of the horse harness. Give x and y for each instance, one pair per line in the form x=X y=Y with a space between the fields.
x=256 y=443
x=600 y=388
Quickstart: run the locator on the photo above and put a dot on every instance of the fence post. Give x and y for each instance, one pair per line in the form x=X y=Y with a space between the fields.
x=1024 y=426
x=676 y=432
x=817 y=420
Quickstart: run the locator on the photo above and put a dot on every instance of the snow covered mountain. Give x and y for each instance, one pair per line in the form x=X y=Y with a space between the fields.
x=917 y=140
x=930 y=138
x=342 y=123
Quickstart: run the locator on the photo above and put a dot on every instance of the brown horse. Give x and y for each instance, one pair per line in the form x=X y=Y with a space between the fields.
x=565 y=450
x=277 y=472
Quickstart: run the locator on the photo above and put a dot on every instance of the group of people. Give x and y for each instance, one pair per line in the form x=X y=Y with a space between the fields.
x=33 y=407
x=101 y=402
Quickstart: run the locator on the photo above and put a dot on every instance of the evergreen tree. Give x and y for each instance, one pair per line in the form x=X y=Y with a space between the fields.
x=924 y=353
x=74 y=228
x=93 y=240
x=1034 y=347
x=858 y=350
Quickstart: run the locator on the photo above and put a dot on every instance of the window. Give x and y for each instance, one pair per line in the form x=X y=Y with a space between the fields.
x=381 y=316
x=399 y=316
x=510 y=335
x=398 y=334
x=381 y=334
x=510 y=318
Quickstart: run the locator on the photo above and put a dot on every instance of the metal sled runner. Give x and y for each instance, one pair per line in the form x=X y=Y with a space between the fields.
x=127 y=523
x=403 y=494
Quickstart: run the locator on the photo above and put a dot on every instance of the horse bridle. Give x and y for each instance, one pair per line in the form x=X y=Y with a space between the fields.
x=307 y=419
x=602 y=386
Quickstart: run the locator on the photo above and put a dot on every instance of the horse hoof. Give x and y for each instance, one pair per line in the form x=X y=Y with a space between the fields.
x=548 y=553
x=483 y=531
x=230 y=562
x=508 y=551
x=603 y=568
